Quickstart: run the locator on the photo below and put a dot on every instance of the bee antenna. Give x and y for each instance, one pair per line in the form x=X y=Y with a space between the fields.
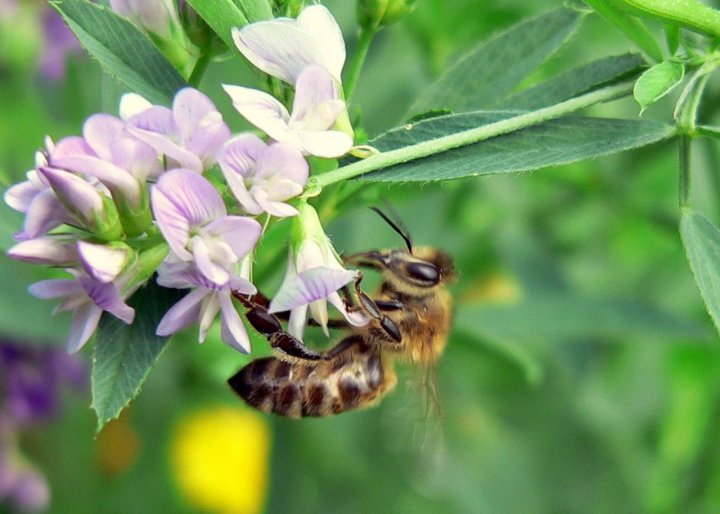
x=397 y=227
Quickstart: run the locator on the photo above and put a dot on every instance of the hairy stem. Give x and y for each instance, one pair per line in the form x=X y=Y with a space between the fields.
x=684 y=166
x=466 y=137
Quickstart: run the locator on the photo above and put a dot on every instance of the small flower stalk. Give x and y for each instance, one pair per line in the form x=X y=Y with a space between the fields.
x=170 y=196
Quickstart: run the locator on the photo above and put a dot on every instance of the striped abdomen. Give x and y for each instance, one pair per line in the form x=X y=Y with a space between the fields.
x=349 y=381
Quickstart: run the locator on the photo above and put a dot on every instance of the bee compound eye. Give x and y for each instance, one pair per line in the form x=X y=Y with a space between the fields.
x=423 y=272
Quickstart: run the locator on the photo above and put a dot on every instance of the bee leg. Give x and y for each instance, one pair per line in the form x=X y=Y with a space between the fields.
x=389 y=305
x=285 y=346
x=368 y=304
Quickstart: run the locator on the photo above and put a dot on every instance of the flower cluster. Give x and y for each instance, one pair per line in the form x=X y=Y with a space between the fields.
x=134 y=195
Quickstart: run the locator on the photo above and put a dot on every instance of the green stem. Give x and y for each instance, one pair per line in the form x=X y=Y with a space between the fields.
x=363 y=45
x=199 y=69
x=684 y=185
x=466 y=137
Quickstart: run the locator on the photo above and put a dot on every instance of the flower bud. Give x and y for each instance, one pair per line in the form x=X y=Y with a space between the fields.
x=94 y=210
x=373 y=14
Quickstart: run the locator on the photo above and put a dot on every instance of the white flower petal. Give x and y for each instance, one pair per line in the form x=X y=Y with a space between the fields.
x=232 y=329
x=326 y=143
x=132 y=104
x=208 y=310
x=263 y=111
x=318 y=20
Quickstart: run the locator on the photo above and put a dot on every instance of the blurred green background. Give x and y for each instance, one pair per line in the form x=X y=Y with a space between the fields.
x=582 y=373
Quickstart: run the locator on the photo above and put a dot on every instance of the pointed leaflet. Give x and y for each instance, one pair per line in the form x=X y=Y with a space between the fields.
x=657 y=81
x=552 y=143
x=577 y=81
x=122 y=50
x=702 y=245
x=124 y=354
x=493 y=70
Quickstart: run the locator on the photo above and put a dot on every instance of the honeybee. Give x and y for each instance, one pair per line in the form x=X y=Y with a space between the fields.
x=410 y=320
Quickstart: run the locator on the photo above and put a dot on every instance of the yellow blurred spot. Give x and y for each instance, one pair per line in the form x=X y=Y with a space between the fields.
x=495 y=288
x=220 y=459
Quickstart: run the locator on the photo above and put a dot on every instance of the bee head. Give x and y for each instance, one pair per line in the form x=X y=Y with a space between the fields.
x=415 y=270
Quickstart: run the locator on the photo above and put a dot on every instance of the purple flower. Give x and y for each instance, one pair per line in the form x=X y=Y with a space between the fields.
x=313 y=276
x=87 y=297
x=284 y=47
x=31 y=377
x=189 y=135
x=192 y=217
x=59 y=43
x=203 y=303
x=31 y=380
x=263 y=176
x=316 y=108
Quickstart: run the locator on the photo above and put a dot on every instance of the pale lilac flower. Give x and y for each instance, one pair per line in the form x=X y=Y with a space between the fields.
x=284 y=47
x=35 y=198
x=156 y=16
x=313 y=276
x=192 y=216
x=316 y=108
x=203 y=303
x=108 y=152
x=189 y=135
x=263 y=176
x=51 y=251
x=87 y=298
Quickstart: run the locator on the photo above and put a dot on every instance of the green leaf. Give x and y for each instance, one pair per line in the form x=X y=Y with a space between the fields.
x=492 y=70
x=122 y=50
x=657 y=81
x=255 y=10
x=702 y=245
x=552 y=143
x=221 y=16
x=691 y=14
x=576 y=81
x=124 y=354
x=634 y=29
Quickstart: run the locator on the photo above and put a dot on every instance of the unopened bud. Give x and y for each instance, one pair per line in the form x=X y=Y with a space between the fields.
x=373 y=14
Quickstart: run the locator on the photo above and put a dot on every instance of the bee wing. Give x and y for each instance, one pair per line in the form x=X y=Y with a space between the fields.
x=413 y=416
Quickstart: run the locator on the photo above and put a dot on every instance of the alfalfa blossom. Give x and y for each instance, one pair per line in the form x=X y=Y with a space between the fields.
x=193 y=219
x=202 y=304
x=284 y=47
x=313 y=277
x=316 y=108
x=209 y=252
x=97 y=286
x=108 y=152
x=189 y=135
x=261 y=176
